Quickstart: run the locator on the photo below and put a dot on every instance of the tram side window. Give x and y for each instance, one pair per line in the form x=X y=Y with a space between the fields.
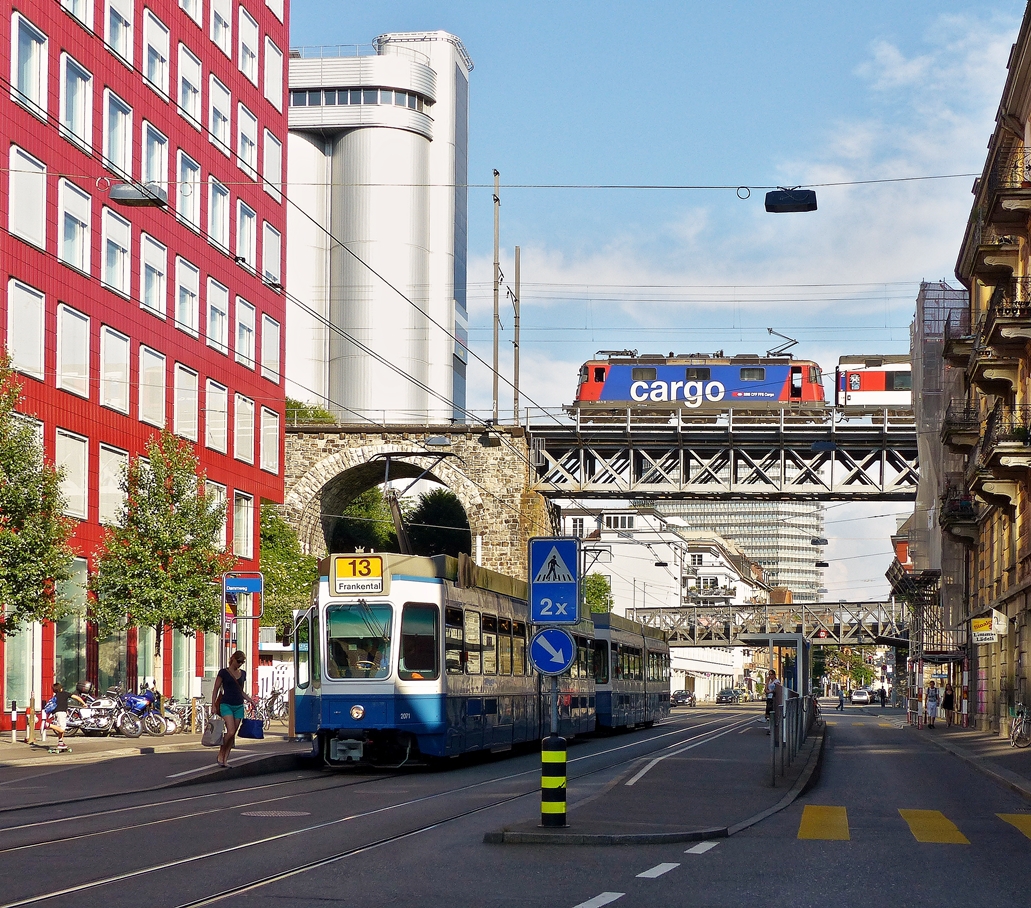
x=505 y=646
x=617 y=662
x=420 y=640
x=583 y=656
x=472 y=643
x=302 y=670
x=601 y=662
x=453 y=641
x=632 y=670
x=490 y=645
x=518 y=648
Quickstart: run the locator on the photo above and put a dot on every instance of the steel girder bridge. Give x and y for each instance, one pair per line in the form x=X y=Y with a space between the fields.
x=825 y=623
x=828 y=454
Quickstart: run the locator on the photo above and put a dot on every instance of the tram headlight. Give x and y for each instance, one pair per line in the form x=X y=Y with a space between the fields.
x=357 y=712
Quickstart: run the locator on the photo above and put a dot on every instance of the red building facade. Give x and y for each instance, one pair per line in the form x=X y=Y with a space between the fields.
x=121 y=319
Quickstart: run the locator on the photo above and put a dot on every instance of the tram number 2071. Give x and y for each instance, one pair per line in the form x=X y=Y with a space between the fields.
x=404 y=716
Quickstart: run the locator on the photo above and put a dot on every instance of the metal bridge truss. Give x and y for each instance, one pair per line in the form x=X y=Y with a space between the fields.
x=833 y=624
x=779 y=454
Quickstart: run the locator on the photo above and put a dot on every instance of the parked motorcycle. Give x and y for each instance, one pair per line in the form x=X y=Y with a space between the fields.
x=144 y=708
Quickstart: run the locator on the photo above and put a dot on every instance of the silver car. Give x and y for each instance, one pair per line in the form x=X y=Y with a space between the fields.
x=861 y=696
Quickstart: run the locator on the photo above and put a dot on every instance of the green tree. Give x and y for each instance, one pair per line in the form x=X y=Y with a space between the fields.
x=299 y=412
x=430 y=525
x=289 y=573
x=366 y=524
x=161 y=565
x=847 y=666
x=598 y=593
x=35 y=556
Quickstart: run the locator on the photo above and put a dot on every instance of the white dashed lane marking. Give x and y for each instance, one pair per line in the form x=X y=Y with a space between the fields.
x=604 y=899
x=701 y=848
x=657 y=871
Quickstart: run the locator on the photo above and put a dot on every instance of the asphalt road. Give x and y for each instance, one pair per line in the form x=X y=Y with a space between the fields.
x=417 y=838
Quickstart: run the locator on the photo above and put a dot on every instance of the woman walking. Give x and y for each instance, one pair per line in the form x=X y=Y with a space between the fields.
x=227 y=700
x=931 y=702
x=949 y=704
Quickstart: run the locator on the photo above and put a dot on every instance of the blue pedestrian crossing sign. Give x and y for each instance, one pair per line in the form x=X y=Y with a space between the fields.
x=552 y=651
x=554 y=580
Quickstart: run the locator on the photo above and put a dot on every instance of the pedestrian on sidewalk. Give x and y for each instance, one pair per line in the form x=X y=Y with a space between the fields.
x=949 y=704
x=884 y=698
x=931 y=702
x=227 y=700
x=61 y=700
x=841 y=700
x=771 y=699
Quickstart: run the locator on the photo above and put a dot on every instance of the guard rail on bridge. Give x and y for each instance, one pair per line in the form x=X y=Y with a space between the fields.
x=821 y=454
x=831 y=623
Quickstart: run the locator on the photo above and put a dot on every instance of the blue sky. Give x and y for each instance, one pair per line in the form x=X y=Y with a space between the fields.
x=702 y=93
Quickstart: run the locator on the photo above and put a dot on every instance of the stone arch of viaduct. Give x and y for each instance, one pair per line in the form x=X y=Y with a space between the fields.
x=327 y=467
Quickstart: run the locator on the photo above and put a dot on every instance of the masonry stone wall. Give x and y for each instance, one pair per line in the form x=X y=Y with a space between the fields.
x=326 y=467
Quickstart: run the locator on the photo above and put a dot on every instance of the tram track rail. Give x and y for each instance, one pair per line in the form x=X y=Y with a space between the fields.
x=641 y=749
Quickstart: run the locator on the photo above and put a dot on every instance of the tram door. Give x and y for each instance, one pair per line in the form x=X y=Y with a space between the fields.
x=307 y=683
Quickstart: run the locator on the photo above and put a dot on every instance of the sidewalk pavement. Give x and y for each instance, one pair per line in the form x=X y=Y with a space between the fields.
x=688 y=792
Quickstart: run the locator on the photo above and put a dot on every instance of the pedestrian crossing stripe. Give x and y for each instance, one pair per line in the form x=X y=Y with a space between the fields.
x=933 y=826
x=826 y=823
x=554 y=569
x=1021 y=820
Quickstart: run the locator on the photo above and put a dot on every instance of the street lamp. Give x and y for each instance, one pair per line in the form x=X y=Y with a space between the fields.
x=784 y=200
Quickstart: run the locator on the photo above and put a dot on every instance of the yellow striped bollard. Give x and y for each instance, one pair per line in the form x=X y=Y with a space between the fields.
x=553 y=781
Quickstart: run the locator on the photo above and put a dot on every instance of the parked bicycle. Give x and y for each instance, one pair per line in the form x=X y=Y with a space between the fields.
x=1020 y=727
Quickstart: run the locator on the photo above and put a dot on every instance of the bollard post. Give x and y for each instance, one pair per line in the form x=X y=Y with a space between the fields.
x=14 y=721
x=553 y=781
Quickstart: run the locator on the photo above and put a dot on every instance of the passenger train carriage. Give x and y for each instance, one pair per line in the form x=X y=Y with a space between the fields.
x=699 y=381
x=874 y=381
x=631 y=672
x=403 y=658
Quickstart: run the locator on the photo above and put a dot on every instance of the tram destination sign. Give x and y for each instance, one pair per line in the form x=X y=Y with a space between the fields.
x=554 y=580
x=357 y=574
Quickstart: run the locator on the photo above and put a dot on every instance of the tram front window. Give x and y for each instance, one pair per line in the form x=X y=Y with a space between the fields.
x=358 y=640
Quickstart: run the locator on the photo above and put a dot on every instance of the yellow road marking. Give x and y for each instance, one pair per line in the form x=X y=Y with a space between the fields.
x=1021 y=820
x=824 y=823
x=885 y=725
x=933 y=826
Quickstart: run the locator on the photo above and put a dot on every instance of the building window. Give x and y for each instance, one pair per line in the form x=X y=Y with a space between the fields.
x=269 y=440
x=247 y=140
x=244 y=333
x=72 y=456
x=217 y=493
x=619 y=521
x=72 y=351
x=277 y=8
x=270 y=348
x=155 y=157
x=218 y=213
x=187 y=296
x=272 y=166
x=188 y=187
x=153 y=271
x=184 y=415
x=117 y=133
x=243 y=428
x=155 y=52
x=193 y=9
x=76 y=102
x=696 y=559
x=114 y=370
x=271 y=253
x=26 y=311
x=708 y=583
x=248 y=46
x=273 y=74
x=219 y=108
x=246 y=235
x=117 y=235
x=189 y=85
x=243 y=525
x=218 y=316
x=73 y=240
x=28 y=198
x=81 y=9
x=577 y=527
x=221 y=25
x=118 y=28
x=28 y=65
x=216 y=412
x=152 y=387
x=112 y=467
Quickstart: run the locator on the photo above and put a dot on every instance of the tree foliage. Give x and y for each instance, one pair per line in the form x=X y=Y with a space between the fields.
x=300 y=413
x=289 y=573
x=430 y=525
x=847 y=666
x=598 y=593
x=161 y=565
x=365 y=524
x=35 y=556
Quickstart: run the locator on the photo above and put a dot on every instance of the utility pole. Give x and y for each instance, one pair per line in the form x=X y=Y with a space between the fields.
x=497 y=285
x=515 y=345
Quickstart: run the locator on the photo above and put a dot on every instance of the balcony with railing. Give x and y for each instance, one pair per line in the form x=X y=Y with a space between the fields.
x=992 y=369
x=958 y=511
x=1008 y=199
x=1008 y=319
x=1007 y=441
x=961 y=426
x=996 y=252
x=958 y=338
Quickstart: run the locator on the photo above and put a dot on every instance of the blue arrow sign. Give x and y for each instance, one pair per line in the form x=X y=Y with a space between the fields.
x=554 y=580
x=552 y=651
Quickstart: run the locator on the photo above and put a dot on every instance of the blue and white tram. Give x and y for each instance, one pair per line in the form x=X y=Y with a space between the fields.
x=402 y=658
x=631 y=672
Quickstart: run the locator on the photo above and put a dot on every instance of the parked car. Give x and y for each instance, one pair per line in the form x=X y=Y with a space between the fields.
x=861 y=696
x=728 y=695
x=682 y=698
